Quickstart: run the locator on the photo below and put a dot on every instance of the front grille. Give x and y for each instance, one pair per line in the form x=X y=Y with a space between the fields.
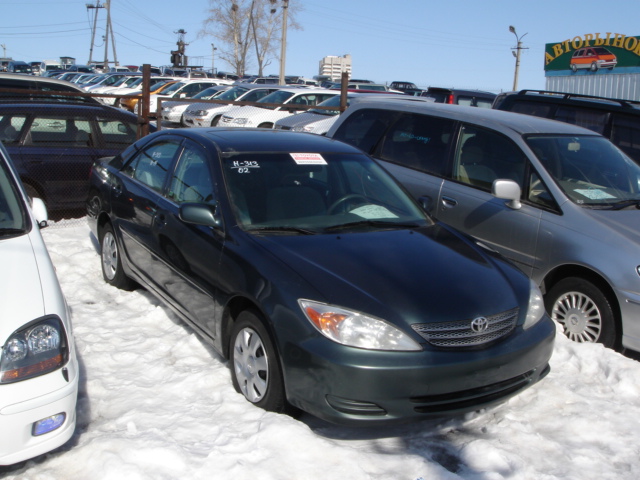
x=461 y=333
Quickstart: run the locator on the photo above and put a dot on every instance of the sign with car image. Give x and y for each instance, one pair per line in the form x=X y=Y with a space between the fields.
x=593 y=53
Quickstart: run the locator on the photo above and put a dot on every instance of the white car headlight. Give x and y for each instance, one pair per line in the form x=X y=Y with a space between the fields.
x=39 y=348
x=535 y=310
x=356 y=329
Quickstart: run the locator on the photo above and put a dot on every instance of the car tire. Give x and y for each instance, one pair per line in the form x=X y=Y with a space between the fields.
x=266 y=125
x=112 y=270
x=574 y=68
x=255 y=369
x=215 y=120
x=594 y=67
x=583 y=310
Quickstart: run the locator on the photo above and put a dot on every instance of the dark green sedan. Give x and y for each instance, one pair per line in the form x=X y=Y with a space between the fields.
x=328 y=288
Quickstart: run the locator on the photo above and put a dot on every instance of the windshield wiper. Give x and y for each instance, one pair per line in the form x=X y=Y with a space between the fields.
x=371 y=223
x=625 y=203
x=302 y=231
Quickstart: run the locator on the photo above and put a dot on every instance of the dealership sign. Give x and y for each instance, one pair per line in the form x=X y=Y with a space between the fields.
x=593 y=52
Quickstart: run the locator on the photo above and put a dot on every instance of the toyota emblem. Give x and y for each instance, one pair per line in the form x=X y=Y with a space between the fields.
x=479 y=324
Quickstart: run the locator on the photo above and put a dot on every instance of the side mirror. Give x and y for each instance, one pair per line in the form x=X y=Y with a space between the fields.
x=199 y=214
x=507 y=190
x=39 y=210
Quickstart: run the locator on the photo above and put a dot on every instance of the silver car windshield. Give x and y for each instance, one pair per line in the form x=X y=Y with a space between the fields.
x=589 y=169
x=315 y=193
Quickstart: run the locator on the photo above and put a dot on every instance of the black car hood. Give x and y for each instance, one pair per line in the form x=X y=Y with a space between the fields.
x=432 y=274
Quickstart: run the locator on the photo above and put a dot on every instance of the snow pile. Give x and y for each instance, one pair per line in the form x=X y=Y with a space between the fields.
x=157 y=403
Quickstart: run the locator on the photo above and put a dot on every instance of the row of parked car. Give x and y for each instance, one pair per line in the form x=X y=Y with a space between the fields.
x=406 y=263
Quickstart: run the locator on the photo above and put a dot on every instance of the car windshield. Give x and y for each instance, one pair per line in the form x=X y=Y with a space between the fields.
x=311 y=193
x=173 y=88
x=589 y=169
x=279 y=96
x=13 y=217
x=331 y=102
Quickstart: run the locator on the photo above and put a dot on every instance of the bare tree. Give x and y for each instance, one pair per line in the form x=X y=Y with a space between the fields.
x=239 y=24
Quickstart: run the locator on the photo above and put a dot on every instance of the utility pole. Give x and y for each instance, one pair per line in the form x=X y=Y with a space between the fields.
x=283 y=44
x=109 y=31
x=93 y=27
x=213 y=58
x=518 y=48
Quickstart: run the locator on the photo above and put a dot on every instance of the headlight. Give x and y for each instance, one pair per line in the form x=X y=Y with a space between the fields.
x=40 y=347
x=356 y=329
x=197 y=113
x=535 y=310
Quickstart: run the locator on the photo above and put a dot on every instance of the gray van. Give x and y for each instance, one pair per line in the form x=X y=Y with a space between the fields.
x=562 y=202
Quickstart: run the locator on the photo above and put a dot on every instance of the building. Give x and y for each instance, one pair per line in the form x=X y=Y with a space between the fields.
x=600 y=64
x=333 y=67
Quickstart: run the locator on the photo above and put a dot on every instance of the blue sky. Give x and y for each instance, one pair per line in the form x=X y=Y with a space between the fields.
x=459 y=43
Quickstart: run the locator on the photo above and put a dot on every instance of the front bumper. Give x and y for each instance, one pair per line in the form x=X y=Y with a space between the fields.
x=354 y=386
x=28 y=405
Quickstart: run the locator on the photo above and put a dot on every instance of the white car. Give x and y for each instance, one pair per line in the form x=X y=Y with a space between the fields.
x=38 y=366
x=266 y=116
x=172 y=111
x=186 y=88
x=208 y=114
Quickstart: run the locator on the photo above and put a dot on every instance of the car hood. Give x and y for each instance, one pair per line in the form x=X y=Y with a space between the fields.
x=20 y=284
x=625 y=223
x=408 y=276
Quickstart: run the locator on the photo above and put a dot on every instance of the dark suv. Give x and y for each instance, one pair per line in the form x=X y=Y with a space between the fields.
x=53 y=146
x=618 y=120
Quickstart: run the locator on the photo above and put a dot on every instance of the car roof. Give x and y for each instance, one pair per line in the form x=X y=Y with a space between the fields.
x=91 y=109
x=496 y=119
x=35 y=79
x=567 y=98
x=244 y=140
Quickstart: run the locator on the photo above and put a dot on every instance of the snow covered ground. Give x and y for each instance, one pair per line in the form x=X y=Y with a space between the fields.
x=157 y=403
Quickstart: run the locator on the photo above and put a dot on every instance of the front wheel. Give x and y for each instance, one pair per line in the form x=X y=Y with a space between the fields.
x=585 y=313
x=255 y=369
x=112 y=270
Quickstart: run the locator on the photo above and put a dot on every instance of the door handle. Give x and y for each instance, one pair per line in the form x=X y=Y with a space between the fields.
x=161 y=220
x=449 y=202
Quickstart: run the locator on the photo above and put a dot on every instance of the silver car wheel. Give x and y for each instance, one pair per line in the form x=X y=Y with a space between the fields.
x=579 y=316
x=251 y=365
x=109 y=255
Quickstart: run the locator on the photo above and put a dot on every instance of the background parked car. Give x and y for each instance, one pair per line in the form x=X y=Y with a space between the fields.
x=328 y=288
x=618 y=120
x=53 y=146
x=266 y=115
x=208 y=114
x=39 y=88
x=471 y=98
x=173 y=110
x=558 y=200
x=38 y=366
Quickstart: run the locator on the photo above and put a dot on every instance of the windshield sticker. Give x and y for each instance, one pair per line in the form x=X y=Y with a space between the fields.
x=308 y=159
x=244 y=167
x=594 y=194
x=373 y=211
x=412 y=136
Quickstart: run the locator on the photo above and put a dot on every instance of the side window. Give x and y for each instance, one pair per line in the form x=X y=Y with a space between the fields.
x=592 y=119
x=538 y=193
x=483 y=156
x=625 y=134
x=365 y=128
x=152 y=164
x=484 y=102
x=418 y=141
x=532 y=108
x=464 y=100
x=55 y=131
x=10 y=127
x=117 y=133
x=191 y=181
